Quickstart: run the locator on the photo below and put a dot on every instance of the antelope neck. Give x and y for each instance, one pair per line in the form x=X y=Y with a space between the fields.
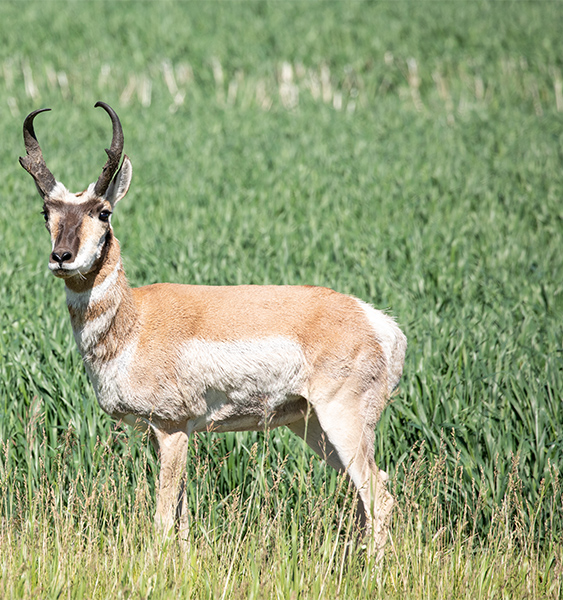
x=101 y=307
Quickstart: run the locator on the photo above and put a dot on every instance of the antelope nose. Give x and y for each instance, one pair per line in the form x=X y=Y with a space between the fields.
x=61 y=258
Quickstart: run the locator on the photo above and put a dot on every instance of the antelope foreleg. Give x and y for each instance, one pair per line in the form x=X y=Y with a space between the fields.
x=171 y=510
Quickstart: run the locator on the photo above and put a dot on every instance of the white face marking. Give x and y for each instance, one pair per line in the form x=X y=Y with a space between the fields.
x=61 y=194
x=88 y=253
x=392 y=339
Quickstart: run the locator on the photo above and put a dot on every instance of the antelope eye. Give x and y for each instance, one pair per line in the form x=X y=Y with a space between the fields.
x=104 y=215
x=45 y=215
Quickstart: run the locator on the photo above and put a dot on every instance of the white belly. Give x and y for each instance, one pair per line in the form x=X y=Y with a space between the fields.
x=244 y=385
x=223 y=386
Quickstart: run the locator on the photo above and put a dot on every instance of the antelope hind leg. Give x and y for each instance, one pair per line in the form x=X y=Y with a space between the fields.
x=342 y=438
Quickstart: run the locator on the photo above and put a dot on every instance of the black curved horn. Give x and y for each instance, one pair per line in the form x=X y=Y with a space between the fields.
x=33 y=162
x=114 y=152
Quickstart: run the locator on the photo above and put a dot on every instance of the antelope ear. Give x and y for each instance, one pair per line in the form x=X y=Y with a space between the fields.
x=120 y=183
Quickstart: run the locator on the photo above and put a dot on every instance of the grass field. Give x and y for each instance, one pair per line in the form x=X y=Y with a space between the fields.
x=409 y=153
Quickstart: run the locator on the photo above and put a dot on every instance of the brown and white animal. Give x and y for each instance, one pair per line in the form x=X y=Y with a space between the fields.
x=176 y=359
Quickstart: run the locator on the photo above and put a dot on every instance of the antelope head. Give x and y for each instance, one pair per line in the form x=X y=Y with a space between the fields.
x=79 y=224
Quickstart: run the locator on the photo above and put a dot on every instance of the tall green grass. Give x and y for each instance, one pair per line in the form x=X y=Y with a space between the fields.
x=92 y=537
x=407 y=153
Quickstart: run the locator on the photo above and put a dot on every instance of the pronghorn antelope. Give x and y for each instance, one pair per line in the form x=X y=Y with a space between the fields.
x=177 y=359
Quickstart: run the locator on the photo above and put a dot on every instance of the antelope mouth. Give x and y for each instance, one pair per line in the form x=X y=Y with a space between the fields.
x=62 y=272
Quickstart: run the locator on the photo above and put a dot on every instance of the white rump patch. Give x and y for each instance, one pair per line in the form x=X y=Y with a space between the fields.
x=392 y=339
